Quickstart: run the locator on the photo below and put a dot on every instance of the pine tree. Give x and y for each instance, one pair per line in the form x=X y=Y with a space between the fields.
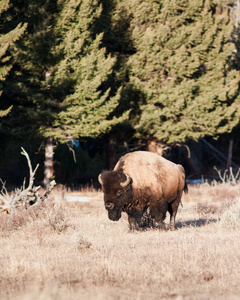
x=34 y=101
x=7 y=38
x=59 y=85
x=181 y=65
x=90 y=109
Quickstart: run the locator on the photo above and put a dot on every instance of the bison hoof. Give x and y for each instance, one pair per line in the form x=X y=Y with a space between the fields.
x=171 y=227
x=161 y=226
x=133 y=227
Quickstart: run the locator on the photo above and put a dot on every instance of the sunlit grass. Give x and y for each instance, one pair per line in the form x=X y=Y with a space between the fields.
x=73 y=251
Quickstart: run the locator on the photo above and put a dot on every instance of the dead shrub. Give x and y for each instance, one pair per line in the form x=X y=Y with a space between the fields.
x=57 y=219
x=215 y=192
x=82 y=242
x=206 y=208
x=52 y=216
x=10 y=223
x=230 y=219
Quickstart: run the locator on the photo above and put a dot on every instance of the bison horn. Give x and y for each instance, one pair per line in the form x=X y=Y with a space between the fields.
x=125 y=183
x=100 y=179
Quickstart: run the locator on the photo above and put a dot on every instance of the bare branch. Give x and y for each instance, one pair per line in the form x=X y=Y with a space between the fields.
x=32 y=173
x=225 y=178
x=73 y=152
x=23 y=198
x=45 y=196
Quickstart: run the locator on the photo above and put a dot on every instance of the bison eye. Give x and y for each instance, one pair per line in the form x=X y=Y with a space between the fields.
x=119 y=193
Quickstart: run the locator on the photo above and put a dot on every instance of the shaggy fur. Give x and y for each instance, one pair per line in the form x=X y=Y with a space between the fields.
x=156 y=186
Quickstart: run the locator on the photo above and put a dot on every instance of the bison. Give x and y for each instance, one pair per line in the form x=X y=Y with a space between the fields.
x=145 y=186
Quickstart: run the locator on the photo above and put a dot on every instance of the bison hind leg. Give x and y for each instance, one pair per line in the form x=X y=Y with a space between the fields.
x=172 y=209
x=158 y=214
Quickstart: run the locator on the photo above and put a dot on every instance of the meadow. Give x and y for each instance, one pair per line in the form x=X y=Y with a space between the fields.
x=71 y=250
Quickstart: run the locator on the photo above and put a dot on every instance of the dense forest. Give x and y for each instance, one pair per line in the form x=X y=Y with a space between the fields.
x=83 y=82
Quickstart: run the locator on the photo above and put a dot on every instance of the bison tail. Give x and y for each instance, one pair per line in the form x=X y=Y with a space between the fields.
x=185 y=188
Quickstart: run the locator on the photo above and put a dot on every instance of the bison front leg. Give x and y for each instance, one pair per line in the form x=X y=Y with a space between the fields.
x=133 y=223
x=135 y=218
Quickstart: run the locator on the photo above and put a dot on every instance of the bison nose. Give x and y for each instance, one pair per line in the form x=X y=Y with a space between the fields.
x=109 y=205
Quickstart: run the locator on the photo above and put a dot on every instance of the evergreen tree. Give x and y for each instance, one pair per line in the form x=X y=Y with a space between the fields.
x=7 y=37
x=59 y=85
x=34 y=101
x=181 y=65
x=90 y=109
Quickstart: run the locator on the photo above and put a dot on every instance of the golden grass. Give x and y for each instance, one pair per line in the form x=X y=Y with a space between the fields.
x=72 y=251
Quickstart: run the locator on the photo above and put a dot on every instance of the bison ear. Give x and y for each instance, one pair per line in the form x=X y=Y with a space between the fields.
x=100 y=179
x=127 y=181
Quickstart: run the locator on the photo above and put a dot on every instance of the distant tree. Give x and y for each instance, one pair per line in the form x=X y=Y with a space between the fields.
x=182 y=67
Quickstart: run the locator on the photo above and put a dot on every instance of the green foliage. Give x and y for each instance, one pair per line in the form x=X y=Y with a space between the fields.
x=88 y=108
x=85 y=69
x=60 y=81
x=182 y=66
x=27 y=88
x=5 y=112
x=7 y=39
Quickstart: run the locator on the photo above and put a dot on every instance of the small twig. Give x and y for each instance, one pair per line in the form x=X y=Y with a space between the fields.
x=238 y=172
x=4 y=191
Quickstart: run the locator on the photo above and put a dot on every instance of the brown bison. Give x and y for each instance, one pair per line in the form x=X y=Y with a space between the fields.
x=145 y=186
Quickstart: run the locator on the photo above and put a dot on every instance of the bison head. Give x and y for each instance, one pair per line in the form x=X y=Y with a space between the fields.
x=117 y=192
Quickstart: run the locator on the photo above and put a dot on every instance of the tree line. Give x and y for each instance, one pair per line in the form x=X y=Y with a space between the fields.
x=119 y=71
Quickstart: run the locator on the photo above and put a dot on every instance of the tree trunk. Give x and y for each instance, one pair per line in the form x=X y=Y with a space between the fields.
x=111 y=155
x=48 y=163
x=230 y=148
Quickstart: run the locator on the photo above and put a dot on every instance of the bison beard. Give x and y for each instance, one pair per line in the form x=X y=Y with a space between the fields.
x=145 y=186
x=114 y=214
x=141 y=220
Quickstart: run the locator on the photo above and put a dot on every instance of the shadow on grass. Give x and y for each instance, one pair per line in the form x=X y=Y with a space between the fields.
x=195 y=223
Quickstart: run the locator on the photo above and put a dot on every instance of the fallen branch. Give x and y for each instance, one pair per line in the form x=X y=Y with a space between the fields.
x=45 y=196
x=24 y=197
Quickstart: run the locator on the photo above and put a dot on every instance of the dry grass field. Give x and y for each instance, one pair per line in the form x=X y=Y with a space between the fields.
x=70 y=250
